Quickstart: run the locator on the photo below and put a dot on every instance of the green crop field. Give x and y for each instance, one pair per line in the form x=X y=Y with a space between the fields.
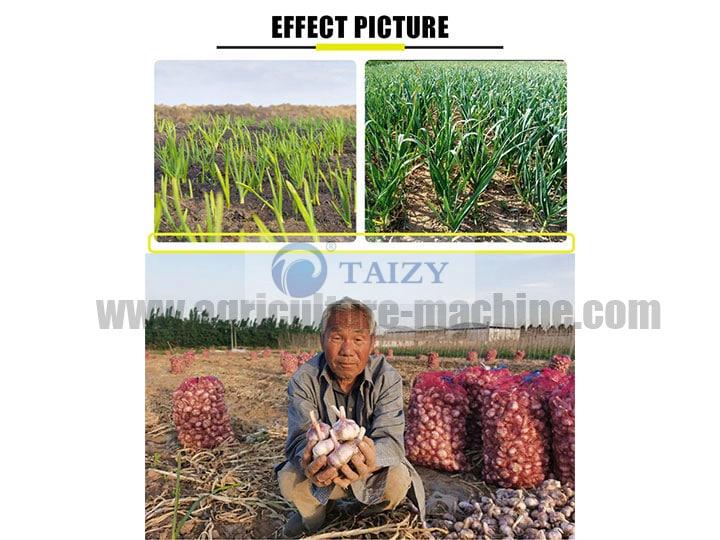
x=483 y=145
x=218 y=173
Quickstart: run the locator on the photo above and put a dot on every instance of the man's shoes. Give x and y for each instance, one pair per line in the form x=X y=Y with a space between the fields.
x=295 y=528
x=356 y=508
x=350 y=507
x=373 y=509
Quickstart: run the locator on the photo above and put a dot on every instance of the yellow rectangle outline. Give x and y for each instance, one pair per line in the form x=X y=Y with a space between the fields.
x=571 y=250
x=359 y=46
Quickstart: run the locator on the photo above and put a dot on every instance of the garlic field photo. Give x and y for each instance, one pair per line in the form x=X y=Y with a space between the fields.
x=465 y=147
x=276 y=160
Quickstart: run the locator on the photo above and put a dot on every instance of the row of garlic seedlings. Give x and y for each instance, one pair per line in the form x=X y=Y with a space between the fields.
x=545 y=513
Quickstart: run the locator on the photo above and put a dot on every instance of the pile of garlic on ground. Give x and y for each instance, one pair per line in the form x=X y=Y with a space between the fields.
x=546 y=513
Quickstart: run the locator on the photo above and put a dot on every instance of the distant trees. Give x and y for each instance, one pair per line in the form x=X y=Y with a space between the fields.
x=170 y=329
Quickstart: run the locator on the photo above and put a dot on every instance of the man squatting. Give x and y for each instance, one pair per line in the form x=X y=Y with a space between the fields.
x=379 y=476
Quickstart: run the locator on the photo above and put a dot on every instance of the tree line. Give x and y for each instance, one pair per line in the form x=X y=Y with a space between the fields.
x=170 y=329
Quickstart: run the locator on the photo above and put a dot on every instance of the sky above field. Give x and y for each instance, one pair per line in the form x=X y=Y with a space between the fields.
x=258 y=83
x=464 y=277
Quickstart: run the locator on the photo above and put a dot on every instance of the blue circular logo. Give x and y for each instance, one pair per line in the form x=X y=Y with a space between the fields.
x=299 y=270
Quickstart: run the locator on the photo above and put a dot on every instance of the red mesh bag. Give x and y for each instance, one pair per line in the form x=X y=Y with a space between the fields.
x=389 y=353
x=304 y=357
x=474 y=380
x=200 y=414
x=515 y=435
x=544 y=381
x=433 y=360
x=266 y=353
x=180 y=362
x=177 y=364
x=472 y=357
x=562 y=419
x=253 y=355
x=560 y=362
x=491 y=355
x=519 y=356
x=288 y=362
x=435 y=428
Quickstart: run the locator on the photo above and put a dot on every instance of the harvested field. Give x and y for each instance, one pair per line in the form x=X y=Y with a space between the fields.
x=231 y=492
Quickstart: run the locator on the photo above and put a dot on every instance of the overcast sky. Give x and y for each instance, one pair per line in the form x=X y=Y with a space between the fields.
x=466 y=277
x=258 y=83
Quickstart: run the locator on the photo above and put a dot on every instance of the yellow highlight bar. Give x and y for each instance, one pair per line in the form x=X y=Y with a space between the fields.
x=405 y=247
x=359 y=46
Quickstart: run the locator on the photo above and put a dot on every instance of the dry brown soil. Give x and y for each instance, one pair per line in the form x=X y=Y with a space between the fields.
x=499 y=209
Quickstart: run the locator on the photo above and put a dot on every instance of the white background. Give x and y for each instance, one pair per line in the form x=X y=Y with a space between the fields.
x=77 y=109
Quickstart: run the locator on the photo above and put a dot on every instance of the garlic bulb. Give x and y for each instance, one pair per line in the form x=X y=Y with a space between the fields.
x=324 y=447
x=319 y=431
x=345 y=429
x=345 y=451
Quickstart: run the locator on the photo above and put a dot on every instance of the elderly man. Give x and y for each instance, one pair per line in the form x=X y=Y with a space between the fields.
x=379 y=476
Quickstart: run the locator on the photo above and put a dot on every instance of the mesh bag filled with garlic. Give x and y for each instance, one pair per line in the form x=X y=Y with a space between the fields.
x=474 y=379
x=561 y=405
x=435 y=429
x=180 y=362
x=177 y=364
x=561 y=362
x=304 y=357
x=200 y=414
x=288 y=362
x=515 y=434
x=544 y=382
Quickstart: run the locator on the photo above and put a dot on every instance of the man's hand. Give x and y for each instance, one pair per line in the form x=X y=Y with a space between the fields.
x=367 y=449
x=361 y=465
x=317 y=470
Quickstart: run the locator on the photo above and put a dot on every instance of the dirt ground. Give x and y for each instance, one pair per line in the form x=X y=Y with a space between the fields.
x=499 y=210
x=231 y=492
x=185 y=113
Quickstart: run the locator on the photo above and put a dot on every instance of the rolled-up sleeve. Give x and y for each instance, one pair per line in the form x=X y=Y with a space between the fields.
x=388 y=421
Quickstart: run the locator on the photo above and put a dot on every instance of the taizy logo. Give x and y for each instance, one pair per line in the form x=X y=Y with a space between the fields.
x=299 y=270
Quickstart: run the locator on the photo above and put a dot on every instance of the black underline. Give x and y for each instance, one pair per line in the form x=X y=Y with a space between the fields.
x=265 y=46
x=454 y=46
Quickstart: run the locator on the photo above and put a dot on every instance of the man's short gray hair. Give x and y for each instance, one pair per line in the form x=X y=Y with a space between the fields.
x=347 y=304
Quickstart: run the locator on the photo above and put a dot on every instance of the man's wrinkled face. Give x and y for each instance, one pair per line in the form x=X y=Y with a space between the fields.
x=347 y=343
